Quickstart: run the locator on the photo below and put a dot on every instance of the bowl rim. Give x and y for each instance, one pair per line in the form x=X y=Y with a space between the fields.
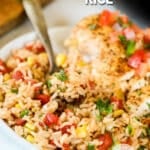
x=12 y=141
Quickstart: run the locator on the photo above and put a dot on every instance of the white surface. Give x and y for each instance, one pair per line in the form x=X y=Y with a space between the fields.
x=8 y=139
x=58 y=12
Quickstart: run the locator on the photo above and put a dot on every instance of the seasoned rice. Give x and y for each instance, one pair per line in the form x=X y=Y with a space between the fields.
x=97 y=100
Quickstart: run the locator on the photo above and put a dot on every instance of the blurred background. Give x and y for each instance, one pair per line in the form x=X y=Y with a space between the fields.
x=13 y=21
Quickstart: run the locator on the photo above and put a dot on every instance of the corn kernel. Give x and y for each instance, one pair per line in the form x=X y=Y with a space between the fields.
x=38 y=73
x=27 y=130
x=81 y=131
x=61 y=59
x=6 y=77
x=30 y=138
x=18 y=106
x=43 y=56
x=119 y=94
x=81 y=63
x=31 y=61
x=30 y=126
x=118 y=113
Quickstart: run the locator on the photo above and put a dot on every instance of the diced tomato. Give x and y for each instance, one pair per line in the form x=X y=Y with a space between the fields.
x=127 y=141
x=37 y=90
x=146 y=57
x=65 y=129
x=68 y=111
x=66 y=146
x=43 y=98
x=51 y=119
x=106 y=140
x=146 y=37
x=136 y=59
x=20 y=122
x=142 y=69
x=118 y=103
x=17 y=75
x=113 y=37
x=136 y=28
x=19 y=58
x=35 y=46
x=29 y=45
x=3 y=68
x=107 y=18
x=41 y=124
x=129 y=33
x=32 y=81
x=140 y=62
x=92 y=84
x=124 y=19
x=52 y=142
x=38 y=47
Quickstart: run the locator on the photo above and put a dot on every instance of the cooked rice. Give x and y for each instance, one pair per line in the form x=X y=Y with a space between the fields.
x=74 y=92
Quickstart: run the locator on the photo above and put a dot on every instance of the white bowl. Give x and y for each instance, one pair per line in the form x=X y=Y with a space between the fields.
x=9 y=140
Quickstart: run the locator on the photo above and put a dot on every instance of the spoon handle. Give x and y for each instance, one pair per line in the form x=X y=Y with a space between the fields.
x=35 y=14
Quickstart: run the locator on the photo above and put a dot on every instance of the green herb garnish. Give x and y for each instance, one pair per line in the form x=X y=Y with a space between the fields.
x=48 y=84
x=148 y=131
x=92 y=26
x=14 y=90
x=130 y=48
x=148 y=104
x=128 y=44
x=129 y=129
x=62 y=89
x=141 y=147
x=123 y=40
x=91 y=147
x=24 y=113
x=61 y=76
x=104 y=107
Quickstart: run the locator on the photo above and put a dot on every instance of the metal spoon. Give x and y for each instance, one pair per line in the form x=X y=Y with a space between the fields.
x=35 y=14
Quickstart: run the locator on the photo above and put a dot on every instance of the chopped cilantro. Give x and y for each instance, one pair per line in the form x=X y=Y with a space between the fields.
x=40 y=115
x=130 y=47
x=123 y=40
x=61 y=75
x=104 y=107
x=62 y=89
x=24 y=113
x=148 y=131
x=148 y=104
x=128 y=44
x=141 y=147
x=92 y=26
x=48 y=84
x=129 y=129
x=91 y=147
x=139 y=92
x=14 y=90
